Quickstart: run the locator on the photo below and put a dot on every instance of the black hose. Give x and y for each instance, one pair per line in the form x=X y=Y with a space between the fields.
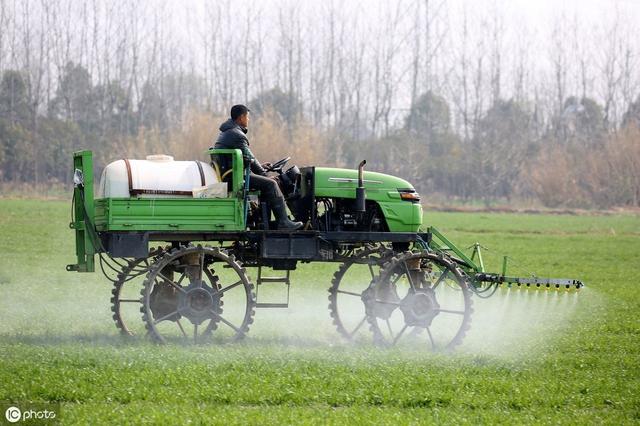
x=105 y=272
x=481 y=292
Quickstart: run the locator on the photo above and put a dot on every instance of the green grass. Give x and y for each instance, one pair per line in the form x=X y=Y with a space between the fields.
x=530 y=358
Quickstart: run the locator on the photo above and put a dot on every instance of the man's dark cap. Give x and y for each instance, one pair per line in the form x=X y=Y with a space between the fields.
x=238 y=110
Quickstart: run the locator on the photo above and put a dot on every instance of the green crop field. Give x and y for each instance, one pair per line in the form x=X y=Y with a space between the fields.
x=531 y=357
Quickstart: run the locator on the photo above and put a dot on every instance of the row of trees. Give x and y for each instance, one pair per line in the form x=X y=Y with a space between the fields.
x=466 y=105
x=575 y=163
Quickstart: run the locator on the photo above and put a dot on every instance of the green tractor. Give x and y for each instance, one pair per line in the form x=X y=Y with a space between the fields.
x=394 y=279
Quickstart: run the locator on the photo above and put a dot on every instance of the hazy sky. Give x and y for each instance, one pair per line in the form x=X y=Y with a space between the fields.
x=535 y=12
x=540 y=14
x=540 y=10
x=536 y=15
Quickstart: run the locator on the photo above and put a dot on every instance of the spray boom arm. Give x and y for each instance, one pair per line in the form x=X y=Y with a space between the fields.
x=474 y=267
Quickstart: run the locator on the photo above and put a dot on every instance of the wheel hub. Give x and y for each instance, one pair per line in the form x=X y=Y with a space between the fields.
x=420 y=307
x=381 y=302
x=198 y=302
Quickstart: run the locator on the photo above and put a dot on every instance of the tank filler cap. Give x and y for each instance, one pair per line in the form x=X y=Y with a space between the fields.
x=159 y=158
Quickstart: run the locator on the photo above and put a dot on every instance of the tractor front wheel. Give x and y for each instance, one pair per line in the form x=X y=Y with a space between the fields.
x=422 y=298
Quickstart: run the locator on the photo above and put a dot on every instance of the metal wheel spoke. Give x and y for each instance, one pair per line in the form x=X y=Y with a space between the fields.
x=184 y=333
x=373 y=275
x=449 y=311
x=440 y=279
x=350 y=293
x=400 y=334
x=227 y=288
x=171 y=282
x=433 y=343
x=236 y=329
x=389 y=327
x=209 y=275
x=385 y=302
x=165 y=317
x=406 y=268
x=130 y=300
x=181 y=278
x=358 y=326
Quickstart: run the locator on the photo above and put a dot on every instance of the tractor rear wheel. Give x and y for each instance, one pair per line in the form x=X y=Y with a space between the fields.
x=422 y=298
x=348 y=283
x=185 y=291
x=125 y=294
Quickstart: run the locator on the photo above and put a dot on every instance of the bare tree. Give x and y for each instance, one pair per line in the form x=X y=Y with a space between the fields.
x=610 y=69
x=497 y=34
x=560 y=66
x=460 y=87
x=4 y=28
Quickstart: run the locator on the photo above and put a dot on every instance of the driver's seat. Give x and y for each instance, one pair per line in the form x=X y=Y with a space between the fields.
x=223 y=176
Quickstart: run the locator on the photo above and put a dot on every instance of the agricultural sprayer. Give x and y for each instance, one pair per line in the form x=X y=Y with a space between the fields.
x=393 y=278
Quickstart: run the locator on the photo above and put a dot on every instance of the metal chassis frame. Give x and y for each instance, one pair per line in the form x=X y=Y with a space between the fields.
x=255 y=235
x=323 y=241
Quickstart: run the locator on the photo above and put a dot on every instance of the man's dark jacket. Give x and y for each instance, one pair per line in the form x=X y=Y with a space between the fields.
x=234 y=136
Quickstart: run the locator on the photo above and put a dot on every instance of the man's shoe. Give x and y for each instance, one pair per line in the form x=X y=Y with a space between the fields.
x=280 y=211
x=289 y=225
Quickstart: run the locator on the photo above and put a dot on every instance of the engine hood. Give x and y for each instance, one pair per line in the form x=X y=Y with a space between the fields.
x=333 y=182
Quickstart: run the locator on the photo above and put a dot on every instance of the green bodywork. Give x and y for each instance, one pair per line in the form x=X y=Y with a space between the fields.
x=400 y=215
x=227 y=214
x=169 y=214
x=215 y=214
x=83 y=213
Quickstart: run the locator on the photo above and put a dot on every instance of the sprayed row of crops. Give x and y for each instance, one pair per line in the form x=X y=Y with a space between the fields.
x=531 y=356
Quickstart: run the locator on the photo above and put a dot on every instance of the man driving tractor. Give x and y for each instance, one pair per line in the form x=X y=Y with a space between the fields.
x=233 y=135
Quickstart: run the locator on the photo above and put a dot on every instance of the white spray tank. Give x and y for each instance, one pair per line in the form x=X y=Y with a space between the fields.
x=159 y=176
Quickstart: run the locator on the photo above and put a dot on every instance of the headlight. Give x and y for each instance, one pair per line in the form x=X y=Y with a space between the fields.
x=409 y=195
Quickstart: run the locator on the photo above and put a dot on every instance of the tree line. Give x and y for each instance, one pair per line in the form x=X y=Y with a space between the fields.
x=466 y=104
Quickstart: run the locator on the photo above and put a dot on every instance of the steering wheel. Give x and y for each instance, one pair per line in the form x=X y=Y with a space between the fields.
x=278 y=165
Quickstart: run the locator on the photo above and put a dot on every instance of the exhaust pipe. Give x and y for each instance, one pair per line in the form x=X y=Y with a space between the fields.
x=360 y=194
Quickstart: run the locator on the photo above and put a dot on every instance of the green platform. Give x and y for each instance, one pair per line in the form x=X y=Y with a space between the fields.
x=169 y=214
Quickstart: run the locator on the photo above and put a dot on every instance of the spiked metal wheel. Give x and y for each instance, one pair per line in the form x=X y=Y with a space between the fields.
x=348 y=283
x=125 y=291
x=419 y=297
x=186 y=286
